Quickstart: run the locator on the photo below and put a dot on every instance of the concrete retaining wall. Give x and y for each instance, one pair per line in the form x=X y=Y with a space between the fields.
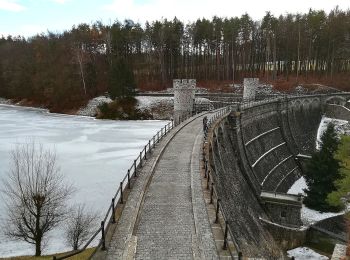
x=338 y=112
x=287 y=238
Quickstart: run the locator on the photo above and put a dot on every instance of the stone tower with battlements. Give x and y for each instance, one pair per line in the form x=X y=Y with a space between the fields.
x=184 y=95
x=250 y=85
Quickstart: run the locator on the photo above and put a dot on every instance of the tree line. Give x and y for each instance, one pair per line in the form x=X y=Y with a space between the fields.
x=65 y=69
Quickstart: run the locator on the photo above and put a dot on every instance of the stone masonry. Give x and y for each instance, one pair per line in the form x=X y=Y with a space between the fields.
x=184 y=96
x=250 y=85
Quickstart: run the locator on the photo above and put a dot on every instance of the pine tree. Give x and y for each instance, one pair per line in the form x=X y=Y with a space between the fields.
x=337 y=197
x=121 y=79
x=322 y=171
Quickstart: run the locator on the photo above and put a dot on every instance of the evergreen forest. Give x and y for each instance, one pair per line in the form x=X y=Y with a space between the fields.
x=63 y=70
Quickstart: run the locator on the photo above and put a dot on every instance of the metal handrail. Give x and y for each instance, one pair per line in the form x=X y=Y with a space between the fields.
x=124 y=184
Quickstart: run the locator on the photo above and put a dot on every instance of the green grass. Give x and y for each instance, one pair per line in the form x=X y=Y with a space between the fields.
x=82 y=256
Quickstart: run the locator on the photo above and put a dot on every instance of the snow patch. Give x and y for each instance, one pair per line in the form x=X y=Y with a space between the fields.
x=298 y=187
x=341 y=127
x=309 y=216
x=91 y=107
x=149 y=102
x=305 y=253
x=5 y=101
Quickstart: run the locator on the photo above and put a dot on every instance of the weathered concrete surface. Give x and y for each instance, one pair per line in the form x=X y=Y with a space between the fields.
x=238 y=199
x=172 y=222
x=167 y=228
x=338 y=112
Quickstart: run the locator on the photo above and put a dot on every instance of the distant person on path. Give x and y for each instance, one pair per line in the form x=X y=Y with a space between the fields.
x=205 y=123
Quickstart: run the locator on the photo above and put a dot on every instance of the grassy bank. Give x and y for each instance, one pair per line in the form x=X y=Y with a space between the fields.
x=82 y=256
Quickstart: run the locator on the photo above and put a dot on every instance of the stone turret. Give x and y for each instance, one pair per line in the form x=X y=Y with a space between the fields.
x=250 y=85
x=184 y=95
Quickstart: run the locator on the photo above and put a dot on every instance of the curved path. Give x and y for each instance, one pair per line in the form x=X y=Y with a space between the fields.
x=172 y=220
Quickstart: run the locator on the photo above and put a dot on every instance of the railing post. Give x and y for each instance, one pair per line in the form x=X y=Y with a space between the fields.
x=154 y=141
x=165 y=130
x=129 y=184
x=161 y=131
x=149 y=145
x=158 y=137
x=135 y=168
x=208 y=180
x=217 y=211
x=121 y=193
x=141 y=158
x=224 y=247
x=146 y=152
x=103 y=241
x=211 y=193
x=113 y=211
x=172 y=123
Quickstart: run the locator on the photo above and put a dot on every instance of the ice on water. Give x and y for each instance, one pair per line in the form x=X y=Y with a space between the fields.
x=94 y=155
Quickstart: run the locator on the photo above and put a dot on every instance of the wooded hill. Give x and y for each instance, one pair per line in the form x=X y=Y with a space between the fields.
x=64 y=70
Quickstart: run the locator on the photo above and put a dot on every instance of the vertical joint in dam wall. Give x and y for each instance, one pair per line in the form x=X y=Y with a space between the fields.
x=250 y=86
x=184 y=95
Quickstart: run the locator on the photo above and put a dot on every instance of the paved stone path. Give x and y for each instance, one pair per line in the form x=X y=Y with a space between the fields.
x=173 y=221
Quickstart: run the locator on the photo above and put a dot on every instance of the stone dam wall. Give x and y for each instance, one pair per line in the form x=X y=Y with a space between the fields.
x=254 y=150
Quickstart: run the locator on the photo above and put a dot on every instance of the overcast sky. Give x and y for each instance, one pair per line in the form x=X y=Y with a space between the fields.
x=29 y=17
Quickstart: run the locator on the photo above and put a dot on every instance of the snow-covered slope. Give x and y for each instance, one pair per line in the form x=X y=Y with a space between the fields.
x=305 y=253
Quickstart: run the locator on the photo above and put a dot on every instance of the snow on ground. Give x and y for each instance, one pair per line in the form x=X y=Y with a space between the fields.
x=149 y=102
x=305 y=253
x=91 y=107
x=341 y=127
x=162 y=107
x=5 y=101
x=309 y=216
x=298 y=187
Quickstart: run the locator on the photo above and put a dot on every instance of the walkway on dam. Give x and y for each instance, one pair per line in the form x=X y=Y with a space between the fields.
x=172 y=220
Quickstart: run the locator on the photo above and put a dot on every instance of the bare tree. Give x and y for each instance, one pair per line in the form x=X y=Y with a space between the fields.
x=35 y=194
x=79 y=226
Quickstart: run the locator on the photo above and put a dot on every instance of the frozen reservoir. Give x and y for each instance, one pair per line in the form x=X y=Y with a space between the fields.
x=94 y=155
